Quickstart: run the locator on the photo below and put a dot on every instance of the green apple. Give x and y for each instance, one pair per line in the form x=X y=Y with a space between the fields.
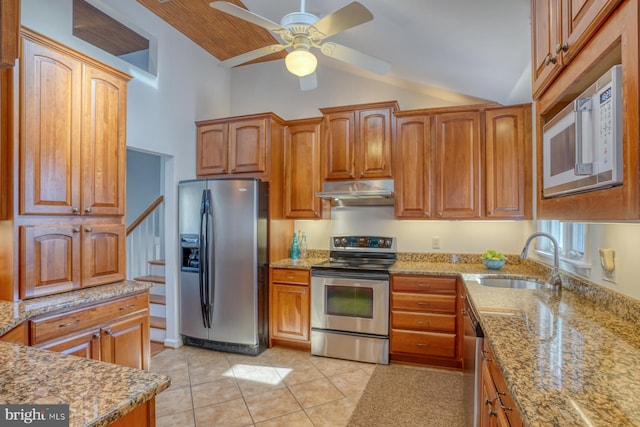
x=493 y=255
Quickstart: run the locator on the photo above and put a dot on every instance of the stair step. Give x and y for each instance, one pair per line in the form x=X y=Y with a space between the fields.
x=158 y=322
x=157 y=262
x=151 y=278
x=157 y=299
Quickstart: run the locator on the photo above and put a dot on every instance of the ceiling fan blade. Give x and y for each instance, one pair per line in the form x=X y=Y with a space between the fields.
x=246 y=15
x=354 y=57
x=342 y=19
x=251 y=55
x=308 y=82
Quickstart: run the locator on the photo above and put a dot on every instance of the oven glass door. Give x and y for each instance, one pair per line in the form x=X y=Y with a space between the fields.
x=350 y=302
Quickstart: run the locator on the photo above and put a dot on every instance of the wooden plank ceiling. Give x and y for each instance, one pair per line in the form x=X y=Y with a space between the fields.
x=221 y=35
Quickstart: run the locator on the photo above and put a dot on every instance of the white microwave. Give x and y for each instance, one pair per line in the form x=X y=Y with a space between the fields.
x=582 y=145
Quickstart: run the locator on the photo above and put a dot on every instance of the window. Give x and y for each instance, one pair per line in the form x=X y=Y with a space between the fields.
x=572 y=238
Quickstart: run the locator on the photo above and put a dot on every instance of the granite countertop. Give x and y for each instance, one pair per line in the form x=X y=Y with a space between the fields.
x=570 y=358
x=98 y=393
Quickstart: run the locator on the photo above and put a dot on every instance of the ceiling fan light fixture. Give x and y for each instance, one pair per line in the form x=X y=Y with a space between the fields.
x=301 y=62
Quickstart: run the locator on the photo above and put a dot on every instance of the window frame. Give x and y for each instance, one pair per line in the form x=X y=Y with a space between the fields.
x=575 y=244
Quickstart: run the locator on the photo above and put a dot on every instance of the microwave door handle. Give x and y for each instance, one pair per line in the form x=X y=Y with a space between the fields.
x=580 y=106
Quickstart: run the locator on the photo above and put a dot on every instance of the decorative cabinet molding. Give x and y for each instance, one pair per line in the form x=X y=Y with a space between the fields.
x=9 y=29
x=358 y=141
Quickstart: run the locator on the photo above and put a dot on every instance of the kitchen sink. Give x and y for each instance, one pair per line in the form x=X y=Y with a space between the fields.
x=513 y=283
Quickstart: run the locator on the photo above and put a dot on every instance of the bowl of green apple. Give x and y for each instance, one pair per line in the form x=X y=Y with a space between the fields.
x=493 y=260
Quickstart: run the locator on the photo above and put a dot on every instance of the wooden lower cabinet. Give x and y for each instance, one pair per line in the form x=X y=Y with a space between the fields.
x=290 y=308
x=425 y=327
x=497 y=406
x=115 y=331
x=142 y=416
x=17 y=335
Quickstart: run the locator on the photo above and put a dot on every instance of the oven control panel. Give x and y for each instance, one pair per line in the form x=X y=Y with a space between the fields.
x=363 y=242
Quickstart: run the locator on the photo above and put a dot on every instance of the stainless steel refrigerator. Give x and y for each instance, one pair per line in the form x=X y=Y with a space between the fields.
x=224 y=264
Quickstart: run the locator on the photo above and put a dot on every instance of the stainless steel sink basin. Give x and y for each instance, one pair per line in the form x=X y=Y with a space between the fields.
x=512 y=283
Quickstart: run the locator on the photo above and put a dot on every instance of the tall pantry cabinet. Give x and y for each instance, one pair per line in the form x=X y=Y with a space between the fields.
x=66 y=221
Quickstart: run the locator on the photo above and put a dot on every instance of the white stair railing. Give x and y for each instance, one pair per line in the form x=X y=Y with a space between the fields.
x=145 y=240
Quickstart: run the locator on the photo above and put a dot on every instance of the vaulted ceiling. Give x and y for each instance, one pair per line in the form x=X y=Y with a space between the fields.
x=477 y=48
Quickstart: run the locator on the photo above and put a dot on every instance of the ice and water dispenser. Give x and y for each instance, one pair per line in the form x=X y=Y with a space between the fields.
x=190 y=252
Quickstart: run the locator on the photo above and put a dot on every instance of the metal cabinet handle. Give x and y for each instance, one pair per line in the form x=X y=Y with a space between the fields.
x=107 y=331
x=423 y=323
x=88 y=210
x=76 y=229
x=424 y=285
x=562 y=47
x=127 y=307
x=73 y=322
x=96 y=335
x=75 y=210
x=88 y=229
x=427 y=214
x=420 y=344
x=423 y=303
x=550 y=60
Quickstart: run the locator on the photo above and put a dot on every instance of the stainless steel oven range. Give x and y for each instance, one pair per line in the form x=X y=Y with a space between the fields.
x=350 y=299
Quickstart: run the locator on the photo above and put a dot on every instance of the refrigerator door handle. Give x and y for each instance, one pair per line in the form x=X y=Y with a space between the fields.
x=203 y=267
x=209 y=259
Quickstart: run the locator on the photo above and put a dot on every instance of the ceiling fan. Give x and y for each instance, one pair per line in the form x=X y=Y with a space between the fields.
x=301 y=31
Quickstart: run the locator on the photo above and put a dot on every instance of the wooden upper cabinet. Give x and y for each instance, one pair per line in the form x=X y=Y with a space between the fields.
x=237 y=145
x=9 y=30
x=302 y=169
x=357 y=141
x=103 y=143
x=72 y=147
x=457 y=165
x=248 y=146
x=508 y=162
x=560 y=29
x=413 y=166
x=212 y=149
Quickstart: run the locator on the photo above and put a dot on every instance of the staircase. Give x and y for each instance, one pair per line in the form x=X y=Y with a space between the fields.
x=157 y=301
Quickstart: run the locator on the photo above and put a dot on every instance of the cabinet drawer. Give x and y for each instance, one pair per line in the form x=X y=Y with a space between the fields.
x=425 y=303
x=424 y=284
x=423 y=343
x=50 y=326
x=423 y=321
x=283 y=275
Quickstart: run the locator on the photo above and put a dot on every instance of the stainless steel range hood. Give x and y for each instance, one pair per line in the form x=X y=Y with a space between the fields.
x=359 y=193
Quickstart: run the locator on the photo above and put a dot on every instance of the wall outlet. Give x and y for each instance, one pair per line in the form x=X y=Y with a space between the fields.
x=435 y=242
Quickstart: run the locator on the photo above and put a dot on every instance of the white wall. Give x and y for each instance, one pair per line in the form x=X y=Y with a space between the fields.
x=144 y=184
x=162 y=108
x=269 y=86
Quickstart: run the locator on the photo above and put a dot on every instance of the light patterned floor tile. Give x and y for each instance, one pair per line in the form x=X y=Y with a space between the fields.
x=332 y=414
x=303 y=372
x=181 y=419
x=231 y=413
x=172 y=401
x=297 y=419
x=315 y=393
x=330 y=367
x=179 y=377
x=351 y=384
x=216 y=369
x=206 y=394
x=272 y=404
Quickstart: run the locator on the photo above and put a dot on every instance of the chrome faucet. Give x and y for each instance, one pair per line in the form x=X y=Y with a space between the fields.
x=554 y=276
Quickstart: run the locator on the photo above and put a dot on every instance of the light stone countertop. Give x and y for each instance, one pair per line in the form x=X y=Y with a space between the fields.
x=570 y=358
x=98 y=393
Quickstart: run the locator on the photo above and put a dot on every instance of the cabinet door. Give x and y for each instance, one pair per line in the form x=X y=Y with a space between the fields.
x=458 y=180
x=126 y=341
x=103 y=143
x=103 y=254
x=581 y=18
x=212 y=149
x=290 y=315
x=248 y=146
x=49 y=259
x=17 y=335
x=374 y=144
x=6 y=135
x=546 y=35
x=339 y=145
x=302 y=171
x=508 y=162
x=9 y=28
x=50 y=94
x=83 y=344
x=413 y=171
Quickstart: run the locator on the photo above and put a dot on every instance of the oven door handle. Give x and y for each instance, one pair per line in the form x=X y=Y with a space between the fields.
x=349 y=274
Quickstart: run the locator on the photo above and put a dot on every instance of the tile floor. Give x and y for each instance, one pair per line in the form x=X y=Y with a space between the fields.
x=280 y=387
